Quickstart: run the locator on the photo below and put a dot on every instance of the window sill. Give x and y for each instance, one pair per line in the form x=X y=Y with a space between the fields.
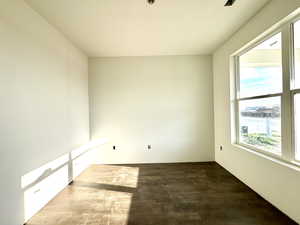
x=295 y=165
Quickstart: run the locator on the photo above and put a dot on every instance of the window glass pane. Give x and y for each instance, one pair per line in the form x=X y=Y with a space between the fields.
x=297 y=125
x=297 y=53
x=261 y=69
x=260 y=123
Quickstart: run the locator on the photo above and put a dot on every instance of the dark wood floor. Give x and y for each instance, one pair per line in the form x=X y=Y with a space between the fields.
x=159 y=194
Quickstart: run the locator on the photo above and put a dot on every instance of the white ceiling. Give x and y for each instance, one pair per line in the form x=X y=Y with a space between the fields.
x=135 y=28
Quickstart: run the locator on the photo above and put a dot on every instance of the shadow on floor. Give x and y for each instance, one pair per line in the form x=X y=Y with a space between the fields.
x=159 y=194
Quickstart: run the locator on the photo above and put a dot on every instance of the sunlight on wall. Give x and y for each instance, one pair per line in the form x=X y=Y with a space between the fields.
x=44 y=183
x=41 y=193
x=79 y=164
x=92 y=144
x=43 y=171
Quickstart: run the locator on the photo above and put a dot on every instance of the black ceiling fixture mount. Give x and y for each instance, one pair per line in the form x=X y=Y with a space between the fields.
x=151 y=1
x=230 y=3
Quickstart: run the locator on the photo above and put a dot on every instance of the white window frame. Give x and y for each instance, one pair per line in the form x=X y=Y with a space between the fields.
x=293 y=89
x=288 y=128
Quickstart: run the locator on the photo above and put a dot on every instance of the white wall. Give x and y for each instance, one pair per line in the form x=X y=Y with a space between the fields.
x=162 y=101
x=275 y=182
x=44 y=100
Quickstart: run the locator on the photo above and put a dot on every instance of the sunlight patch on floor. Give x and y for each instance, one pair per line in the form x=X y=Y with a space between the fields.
x=44 y=183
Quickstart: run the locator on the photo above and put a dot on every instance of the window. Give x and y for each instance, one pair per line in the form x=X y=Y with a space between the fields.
x=296 y=88
x=261 y=69
x=260 y=123
x=297 y=127
x=267 y=96
x=259 y=97
x=297 y=53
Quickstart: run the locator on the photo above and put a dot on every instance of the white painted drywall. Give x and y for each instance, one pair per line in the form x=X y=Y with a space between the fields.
x=164 y=101
x=43 y=97
x=275 y=182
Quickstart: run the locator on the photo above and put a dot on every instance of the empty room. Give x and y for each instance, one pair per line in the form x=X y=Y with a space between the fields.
x=150 y=112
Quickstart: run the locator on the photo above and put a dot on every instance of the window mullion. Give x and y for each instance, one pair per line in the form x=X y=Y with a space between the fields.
x=286 y=122
x=237 y=96
x=260 y=96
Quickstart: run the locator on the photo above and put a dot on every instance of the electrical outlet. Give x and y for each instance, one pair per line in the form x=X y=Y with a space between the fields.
x=149 y=147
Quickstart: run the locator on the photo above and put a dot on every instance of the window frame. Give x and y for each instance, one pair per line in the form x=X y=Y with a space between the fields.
x=293 y=89
x=287 y=96
x=238 y=99
x=294 y=144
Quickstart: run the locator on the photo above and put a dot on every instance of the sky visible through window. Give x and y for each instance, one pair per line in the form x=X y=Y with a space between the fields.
x=259 y=112
x=261 y=74
x=260 y=122
x=261 y=69
x=260 y=81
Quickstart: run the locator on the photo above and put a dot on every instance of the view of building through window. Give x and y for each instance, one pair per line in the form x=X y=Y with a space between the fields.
x=260 y=123
x=260 y=75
